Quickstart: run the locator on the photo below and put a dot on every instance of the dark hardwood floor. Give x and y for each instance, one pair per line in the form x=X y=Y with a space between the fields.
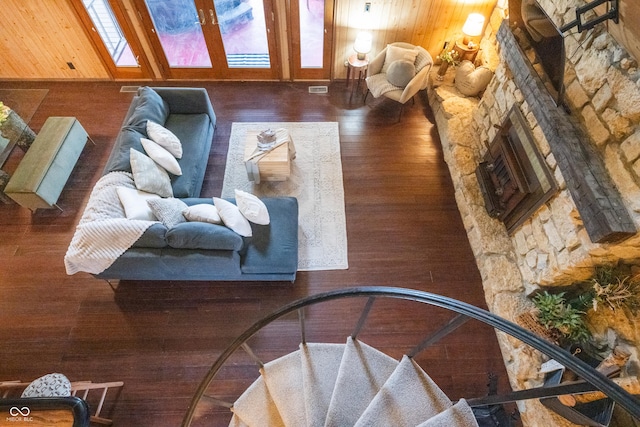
x=160 y=338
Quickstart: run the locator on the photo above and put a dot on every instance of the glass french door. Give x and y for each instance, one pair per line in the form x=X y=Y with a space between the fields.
x=113 y=38
x=226 y=39
x=311 y=38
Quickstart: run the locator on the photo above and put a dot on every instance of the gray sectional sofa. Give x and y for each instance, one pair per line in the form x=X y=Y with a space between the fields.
x=194 y=250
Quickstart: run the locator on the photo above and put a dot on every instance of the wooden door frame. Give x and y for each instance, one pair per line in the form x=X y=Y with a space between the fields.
x=166 y=71
x=273 y=42
x=143 y=70
x=297 y=72
x=213 y=40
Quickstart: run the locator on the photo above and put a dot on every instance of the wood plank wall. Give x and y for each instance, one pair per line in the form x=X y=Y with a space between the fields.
x=38 y=38
x=425 y=23
x=37 y=42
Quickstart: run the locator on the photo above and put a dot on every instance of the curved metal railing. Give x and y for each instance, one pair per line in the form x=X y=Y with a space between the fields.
x=594 y=380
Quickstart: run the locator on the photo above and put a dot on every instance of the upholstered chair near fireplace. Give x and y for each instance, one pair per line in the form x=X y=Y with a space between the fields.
x=398 y=72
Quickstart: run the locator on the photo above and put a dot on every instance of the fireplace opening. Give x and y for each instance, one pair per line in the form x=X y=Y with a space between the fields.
x=513 y=176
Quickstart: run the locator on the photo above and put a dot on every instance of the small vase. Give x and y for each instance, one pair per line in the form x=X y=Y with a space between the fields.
x=442 y=70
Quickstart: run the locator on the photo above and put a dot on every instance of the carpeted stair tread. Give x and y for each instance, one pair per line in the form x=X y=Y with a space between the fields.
x=408 y=397
x=320 y=365
x=363 y=371
x=255 y=406
x=459 y=415
x=283 y=378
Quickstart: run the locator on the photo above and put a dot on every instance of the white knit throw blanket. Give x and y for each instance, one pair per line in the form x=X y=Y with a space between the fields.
x=103 y=233
x=379 y=85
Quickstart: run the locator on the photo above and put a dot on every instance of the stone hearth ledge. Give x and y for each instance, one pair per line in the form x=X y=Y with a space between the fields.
x=552 y=248
x=496 y=257
x=493 y=249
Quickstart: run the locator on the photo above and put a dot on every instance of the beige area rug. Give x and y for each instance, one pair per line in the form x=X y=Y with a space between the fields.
x=316 y=181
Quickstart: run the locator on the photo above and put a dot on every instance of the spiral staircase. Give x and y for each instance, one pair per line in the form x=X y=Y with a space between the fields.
x=349 y=384
x=354 y=384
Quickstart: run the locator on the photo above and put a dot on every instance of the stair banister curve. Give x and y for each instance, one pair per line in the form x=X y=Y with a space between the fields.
x=627 y=401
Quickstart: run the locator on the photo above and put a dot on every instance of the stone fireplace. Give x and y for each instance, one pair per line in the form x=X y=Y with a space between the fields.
x=513 y=176
x=593 y=154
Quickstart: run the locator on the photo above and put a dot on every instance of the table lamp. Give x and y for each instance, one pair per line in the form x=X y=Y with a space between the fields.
x=472 y=28
x=362 y=45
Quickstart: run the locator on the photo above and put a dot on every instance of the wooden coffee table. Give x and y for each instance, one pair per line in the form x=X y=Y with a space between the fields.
x=274 y=165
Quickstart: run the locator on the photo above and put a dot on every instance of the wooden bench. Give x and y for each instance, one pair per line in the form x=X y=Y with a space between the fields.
x=46 y=166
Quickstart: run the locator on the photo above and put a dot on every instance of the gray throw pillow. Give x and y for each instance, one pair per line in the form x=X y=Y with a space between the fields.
x=401 y=72
x=149 y=176
x=168 y=211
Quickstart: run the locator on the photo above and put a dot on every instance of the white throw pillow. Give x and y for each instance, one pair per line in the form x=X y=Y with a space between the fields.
x=50 y=385
x=252 y=208
x=149 y=176
x=470 y=81
x=135 y=204
x=165 y=138
x=203 y=212
x=232 y=218
x=161 y=156
x=396 y=53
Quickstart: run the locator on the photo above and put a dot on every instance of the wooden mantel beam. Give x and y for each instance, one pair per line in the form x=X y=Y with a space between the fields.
x=599 y=203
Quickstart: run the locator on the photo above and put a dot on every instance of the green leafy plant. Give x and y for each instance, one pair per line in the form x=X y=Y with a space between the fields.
x=555 y=313
x=563 y=312
x=450 y=56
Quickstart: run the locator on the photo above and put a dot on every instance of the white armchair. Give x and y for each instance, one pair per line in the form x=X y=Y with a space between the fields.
x=378 y=83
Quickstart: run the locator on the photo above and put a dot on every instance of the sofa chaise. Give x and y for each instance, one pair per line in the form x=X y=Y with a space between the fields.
x=189 y=250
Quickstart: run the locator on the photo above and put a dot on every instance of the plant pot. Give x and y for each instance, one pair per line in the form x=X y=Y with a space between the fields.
x=442 y=70
x=529 y=321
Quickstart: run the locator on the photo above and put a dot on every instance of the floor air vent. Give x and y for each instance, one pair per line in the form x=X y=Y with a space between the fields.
x=318 y=89
x=129 y=88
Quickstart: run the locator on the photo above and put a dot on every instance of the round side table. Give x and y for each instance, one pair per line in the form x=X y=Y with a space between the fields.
x=466 y=52
x=357 y=67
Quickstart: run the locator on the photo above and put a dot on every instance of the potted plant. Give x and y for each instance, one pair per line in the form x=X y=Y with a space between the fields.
x=14 y=129
x=448 y=57
x=579 y=315
x=563 y=320
x=4 y=113
x=580 y=318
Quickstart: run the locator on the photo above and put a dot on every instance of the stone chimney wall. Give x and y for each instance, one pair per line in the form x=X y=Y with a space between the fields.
x=553 y=247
